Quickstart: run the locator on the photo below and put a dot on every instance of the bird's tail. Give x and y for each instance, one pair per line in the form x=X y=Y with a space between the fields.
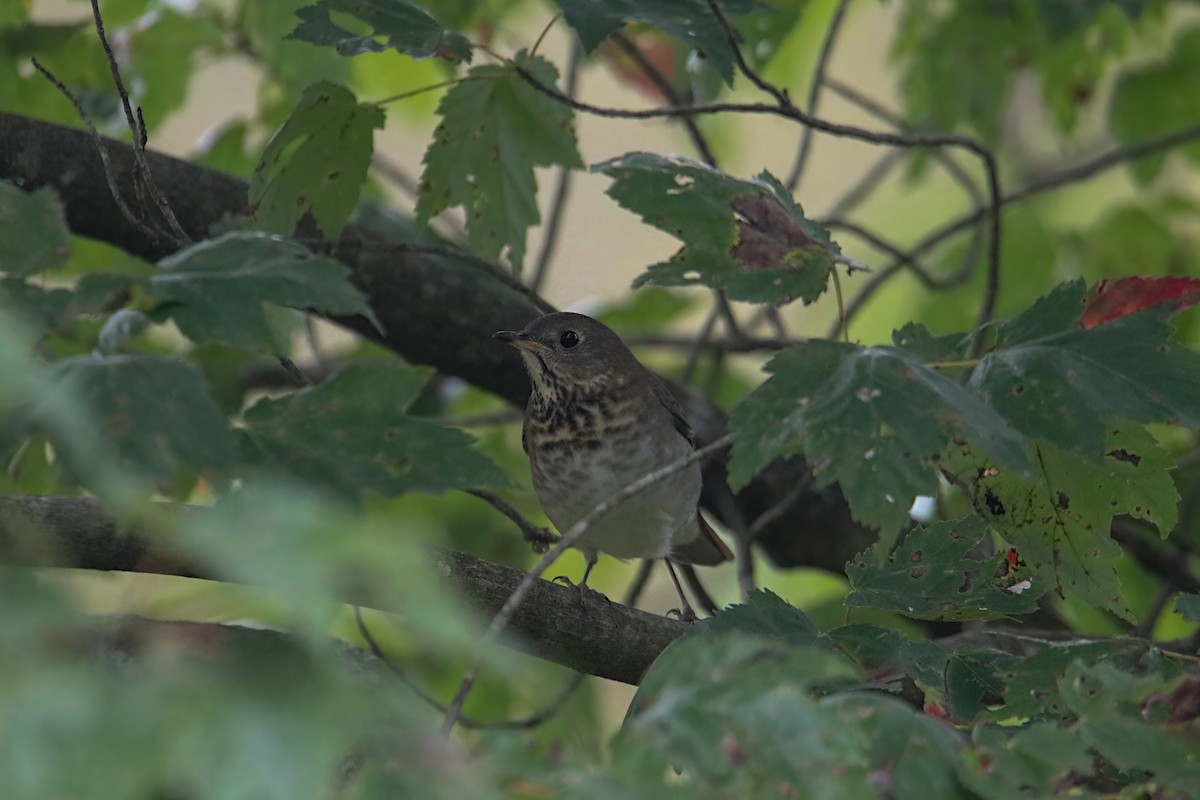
x=706 y=550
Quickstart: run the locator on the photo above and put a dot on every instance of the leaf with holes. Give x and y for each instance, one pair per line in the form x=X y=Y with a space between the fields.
x=352 y=434
x=33 y=231
x=933 y=575
x=215 y=290
x=409 y=29
x=1059 y=519
x=747 y=237
x=1116 y=298
x=874 y=419
x=317 y=162
x=692 y=21
x=1059 y=382
x=495 y=128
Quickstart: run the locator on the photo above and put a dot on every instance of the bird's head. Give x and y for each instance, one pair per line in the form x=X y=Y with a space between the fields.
x=565 y=349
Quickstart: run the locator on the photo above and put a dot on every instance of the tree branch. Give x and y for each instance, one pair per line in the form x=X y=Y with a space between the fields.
x=609 y=641
x=435 y=309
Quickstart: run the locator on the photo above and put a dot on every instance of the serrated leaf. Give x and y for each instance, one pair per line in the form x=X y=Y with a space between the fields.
x=763 y=614
x=692 y=21
x=317 y=162
x=1112 y=299
x=872 y=419
x=1059 y=520
x=1005 y=763
x=914 y=755
x=1061 y=384
x=748 y=238
x=215 y=289
x=1169 y=756
x=495 y=128
x=33 y=231
x=916 y=339
x=408 y=28
x=932 y=575
x=351 y=434
x=158 y=414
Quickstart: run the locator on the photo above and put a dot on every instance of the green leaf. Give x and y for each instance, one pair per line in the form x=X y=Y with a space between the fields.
x=1170 y=756
x=746 y=237
x=215 y=289
x=914 y=755
x=1129 y=368
x=1031 y=761
x=1188 y=606
x=1059 y=520
x=33 y=231
x=495 y=128
x=317 y=162
x=351 y=434
x=916 y=339
x=764 y=614
x=41 y=308
x=157 y=414
x=933 y=575
x=692 y=21
x=408 y=28
x=872 y=419
x=1158 y=99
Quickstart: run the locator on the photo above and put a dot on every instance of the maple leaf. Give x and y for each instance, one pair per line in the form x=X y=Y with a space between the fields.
x=1112 y=299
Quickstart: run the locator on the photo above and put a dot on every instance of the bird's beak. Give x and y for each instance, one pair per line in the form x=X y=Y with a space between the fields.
x=520 y=340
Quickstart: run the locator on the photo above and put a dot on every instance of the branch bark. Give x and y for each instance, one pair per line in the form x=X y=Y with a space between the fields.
x=435 y=310
x=609 y=641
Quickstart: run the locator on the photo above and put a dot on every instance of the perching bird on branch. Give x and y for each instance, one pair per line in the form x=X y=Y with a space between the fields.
x=598 y=420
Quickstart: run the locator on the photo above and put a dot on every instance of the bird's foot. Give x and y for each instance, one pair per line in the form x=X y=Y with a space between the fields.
x=586 y=593
x=687 y=615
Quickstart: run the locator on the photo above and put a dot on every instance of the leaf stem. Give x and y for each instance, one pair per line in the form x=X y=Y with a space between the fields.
x=430 y=88
x=843 y=322
x=965 y=362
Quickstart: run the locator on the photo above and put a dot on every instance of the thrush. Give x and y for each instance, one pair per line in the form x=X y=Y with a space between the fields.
x=596 y=421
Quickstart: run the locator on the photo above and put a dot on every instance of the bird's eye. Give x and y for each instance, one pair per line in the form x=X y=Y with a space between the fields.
x=568 y=339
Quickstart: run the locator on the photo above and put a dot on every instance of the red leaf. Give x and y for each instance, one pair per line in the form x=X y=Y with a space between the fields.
x=1113 y=299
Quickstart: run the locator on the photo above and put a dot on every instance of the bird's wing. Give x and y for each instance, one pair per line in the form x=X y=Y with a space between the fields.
x=664 y=396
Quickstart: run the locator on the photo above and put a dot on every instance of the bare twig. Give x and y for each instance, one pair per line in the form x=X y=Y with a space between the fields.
x=868 y=183
x=137 y=128
x=569 y=538
x=814 y=93
x=503 y=416
x=395 y=174
x=697 y=345
x=113 y=189
x=781 y=508
x=562 y=189
x=1073 y=175
x=877 y=110
x=655 y=76
x=292 y=370
x=538 y=537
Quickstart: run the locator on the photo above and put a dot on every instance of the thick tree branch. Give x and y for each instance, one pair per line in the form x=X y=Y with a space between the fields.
x=610 y=641
x=435 y=309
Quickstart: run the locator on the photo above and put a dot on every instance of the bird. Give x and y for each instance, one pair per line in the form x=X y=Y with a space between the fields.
x=597 y=420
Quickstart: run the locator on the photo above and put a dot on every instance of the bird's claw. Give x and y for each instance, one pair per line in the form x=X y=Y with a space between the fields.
x=586 y=592
x=687 y=615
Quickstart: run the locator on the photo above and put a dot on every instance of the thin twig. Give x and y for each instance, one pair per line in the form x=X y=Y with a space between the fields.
x=655 y=76
x=789 y=111
x=109 y=175
x=868 y=183
x=137 y=129
x=748 y=345
x=299 y=377
x=1073 y=175
x=877 y=110
x=697 y=345
x=562 y=189
x=781 y=508
x=503 y=416
x=395 y=174
x=742 y=542
x=814 y=93
x=522 y=723
x=538 y=537
x=569 y=538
